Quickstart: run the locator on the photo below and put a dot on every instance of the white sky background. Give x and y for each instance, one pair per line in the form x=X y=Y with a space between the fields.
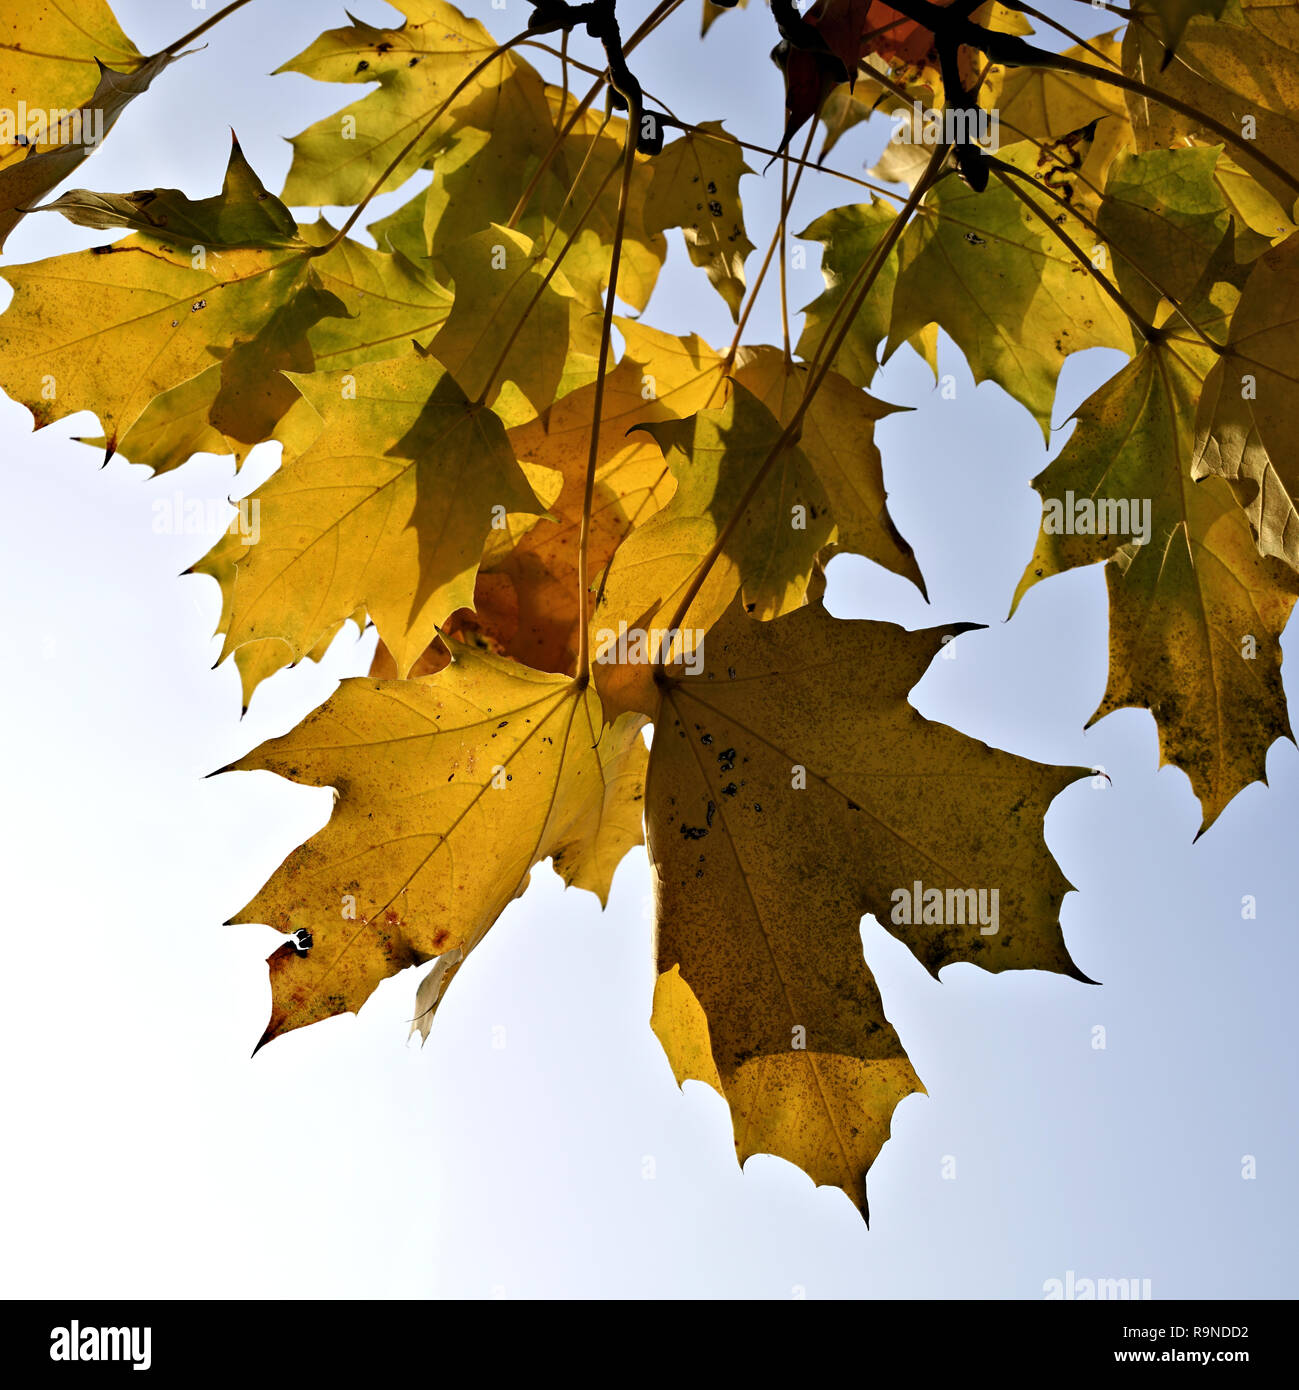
x=145 y=1154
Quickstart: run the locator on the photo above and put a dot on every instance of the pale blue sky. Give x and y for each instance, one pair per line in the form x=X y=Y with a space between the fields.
x=147 y=1155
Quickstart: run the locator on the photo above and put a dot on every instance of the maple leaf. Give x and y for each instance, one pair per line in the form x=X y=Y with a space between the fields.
x=1168 y=216
x=1046 y=104
x=696 y=187
x=369 y=306
x=850 y=236
x=713 y=12
x=1175 y=15
x=448 y=790
x=390 y=302
x=573 y=195
x=359 y=305
x=631 y=483
x=714 y=456
x=1045 y=305
x=258 y=660
x=338 y=160
x=837 y=435
x=525 y=601
x=242 y=214
x=1196 y=614
x=48 y=57
x=791 y=789
x=71 y=78
x=387 y=510
x=111 y=329
x=1227 y=71
x=850 y=30
x=862 y=37
x=515 y=318
x=1248 y=416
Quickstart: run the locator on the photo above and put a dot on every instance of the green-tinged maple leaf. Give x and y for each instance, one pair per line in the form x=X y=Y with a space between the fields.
x=837 y=429
x=1196 y=614
x=109 y=331
x=767 y=556
x=1243 y=71
x=242 y=214
x=1013 y=297
x=1252 y=206
x=850 y=236
x=69 y=144
x=838 y=437
x=67 y=76
x=582 y=187
x=552 y=342
x=448 y=790
x=390 y=302
x=1247 y=430
x=792 y=789
x=575 y=195
x=1175 y=15
x=387 y=510
x=112 y=329
x=338 y=160
x=360 y=305
x=1165 y=215
x=696 y=186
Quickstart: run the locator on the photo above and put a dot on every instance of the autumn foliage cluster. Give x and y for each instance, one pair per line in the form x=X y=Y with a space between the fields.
x=499 y=462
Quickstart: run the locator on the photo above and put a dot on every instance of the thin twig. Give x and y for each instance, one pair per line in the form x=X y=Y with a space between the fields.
x=602 y=369
x=1148 y=330
x=203 y=28
x=1090 y=224
x=383 y=178
x=859 y=289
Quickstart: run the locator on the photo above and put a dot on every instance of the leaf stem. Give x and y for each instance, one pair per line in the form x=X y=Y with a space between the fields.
x=858 y=290
x=203 y=28
x=647 y=26
x=577 y=179
x=802 y=162
x=1148 y=331
x=784 y=254
x=546 y=279
x=383 y=178
x=1001 y=168
x=1060 y=28
x=1013 y=51
x=786 y=199
x=563 y=68
x=602 y=370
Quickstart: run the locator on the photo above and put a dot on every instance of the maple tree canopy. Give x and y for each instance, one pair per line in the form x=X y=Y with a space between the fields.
x=572 y=529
